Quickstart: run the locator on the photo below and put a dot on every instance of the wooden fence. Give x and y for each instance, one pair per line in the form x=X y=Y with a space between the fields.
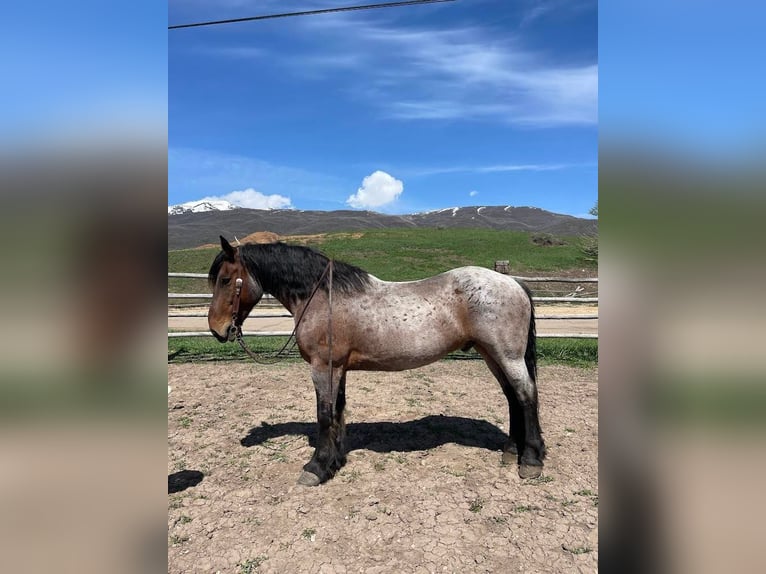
x=269 y=300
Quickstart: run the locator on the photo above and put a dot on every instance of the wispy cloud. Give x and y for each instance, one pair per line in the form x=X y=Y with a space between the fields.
x=459 y=74
x=202 y=173
x=498 y=168
x=455 y=74
x=539 y=9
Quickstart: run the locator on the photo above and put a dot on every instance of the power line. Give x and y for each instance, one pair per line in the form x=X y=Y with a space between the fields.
x=308 y=13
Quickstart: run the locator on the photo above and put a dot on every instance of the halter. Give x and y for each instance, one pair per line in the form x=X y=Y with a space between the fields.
x=271 y=359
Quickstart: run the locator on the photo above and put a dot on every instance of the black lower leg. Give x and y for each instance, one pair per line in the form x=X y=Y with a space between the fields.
x=516 y=433
x=326 y=459
x=339 y=421
x=534 y=447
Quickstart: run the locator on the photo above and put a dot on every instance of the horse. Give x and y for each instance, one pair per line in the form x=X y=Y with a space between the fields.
x=347 y=319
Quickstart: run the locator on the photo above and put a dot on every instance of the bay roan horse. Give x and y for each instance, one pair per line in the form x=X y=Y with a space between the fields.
x=383 y=326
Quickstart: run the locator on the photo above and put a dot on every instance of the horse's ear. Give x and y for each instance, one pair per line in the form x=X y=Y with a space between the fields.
x=227 y=248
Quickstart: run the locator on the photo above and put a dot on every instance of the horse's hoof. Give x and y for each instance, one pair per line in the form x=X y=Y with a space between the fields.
x=308 y=479
x=510 y=457
x=530 y=471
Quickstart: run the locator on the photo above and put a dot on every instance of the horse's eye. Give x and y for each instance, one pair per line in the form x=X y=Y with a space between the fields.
x=225 y=280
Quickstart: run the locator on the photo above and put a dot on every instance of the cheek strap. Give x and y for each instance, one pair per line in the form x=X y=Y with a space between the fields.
x=235 y=305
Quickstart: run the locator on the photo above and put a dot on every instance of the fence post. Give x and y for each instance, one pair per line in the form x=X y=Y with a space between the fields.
x=502 y=267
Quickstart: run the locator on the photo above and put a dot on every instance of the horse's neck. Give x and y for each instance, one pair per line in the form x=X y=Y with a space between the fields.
x=290 y=304
x=293 y=305
x=299 y=307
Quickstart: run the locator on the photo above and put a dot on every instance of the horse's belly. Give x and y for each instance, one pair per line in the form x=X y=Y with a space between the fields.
x=364 y=362
x=403 y=350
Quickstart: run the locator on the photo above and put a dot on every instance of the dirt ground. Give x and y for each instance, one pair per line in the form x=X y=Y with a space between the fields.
x=423 y=490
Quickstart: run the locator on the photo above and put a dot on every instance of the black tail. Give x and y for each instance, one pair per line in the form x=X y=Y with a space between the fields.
x=530 y=355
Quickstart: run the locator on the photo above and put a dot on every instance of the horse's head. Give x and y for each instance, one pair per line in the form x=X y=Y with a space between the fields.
x=225 y=273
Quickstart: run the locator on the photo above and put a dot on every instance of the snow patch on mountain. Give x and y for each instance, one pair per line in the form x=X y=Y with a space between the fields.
x=201 y=206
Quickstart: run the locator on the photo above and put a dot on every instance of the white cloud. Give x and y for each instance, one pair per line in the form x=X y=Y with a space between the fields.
x=473 y=193
x=254 y=199
x=378 y=188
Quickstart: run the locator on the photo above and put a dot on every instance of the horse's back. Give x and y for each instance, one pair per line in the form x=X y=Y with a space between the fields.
x=471 y=292
x=409 y=324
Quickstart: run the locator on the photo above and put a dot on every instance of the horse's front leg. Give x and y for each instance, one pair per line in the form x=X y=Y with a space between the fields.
x=329 y=455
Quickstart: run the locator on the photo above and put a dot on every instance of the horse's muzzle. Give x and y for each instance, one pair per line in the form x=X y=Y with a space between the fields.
x=229 y=336
x=220 y=338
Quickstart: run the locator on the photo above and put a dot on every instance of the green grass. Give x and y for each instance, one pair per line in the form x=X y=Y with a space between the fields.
x=408 y=254
x=476 y=505
x=584 y=492
x=183 y=519
x=573 y=352
x=525 y=508
x=206 y=348
x=308 y=533
x=251 y=565
x=177 y=539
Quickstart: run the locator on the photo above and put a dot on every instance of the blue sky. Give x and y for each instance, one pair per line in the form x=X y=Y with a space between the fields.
x=685 y=76
x=82 y=68
x=476 y=102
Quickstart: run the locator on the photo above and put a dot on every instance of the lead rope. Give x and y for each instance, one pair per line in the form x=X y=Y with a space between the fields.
x=274 y=358
x=329 y=336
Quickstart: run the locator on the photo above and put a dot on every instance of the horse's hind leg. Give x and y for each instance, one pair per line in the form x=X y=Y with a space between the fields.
x=525 y=443
x=329 y=455
x=516 y=416
x=339 y=420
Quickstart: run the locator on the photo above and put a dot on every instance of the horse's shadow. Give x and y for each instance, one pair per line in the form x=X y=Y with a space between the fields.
x=421 y=434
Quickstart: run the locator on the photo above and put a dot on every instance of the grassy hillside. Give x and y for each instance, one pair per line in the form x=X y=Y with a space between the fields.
x=408 y=254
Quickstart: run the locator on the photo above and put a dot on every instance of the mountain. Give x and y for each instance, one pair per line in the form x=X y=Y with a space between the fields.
x=190 y=229
x=201 y=206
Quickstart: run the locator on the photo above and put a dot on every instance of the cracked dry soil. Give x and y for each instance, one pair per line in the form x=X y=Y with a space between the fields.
x=423 y=490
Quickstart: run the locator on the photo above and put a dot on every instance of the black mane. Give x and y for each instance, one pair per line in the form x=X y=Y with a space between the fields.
x=290 y=272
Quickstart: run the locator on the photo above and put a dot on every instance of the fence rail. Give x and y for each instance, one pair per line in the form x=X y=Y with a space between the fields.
x=530 y=279
x=251 y=315
x=286 y=315
x=543 y=299
x=266 y=297
x=556 y=279
x=269 y=298
x=174 y=334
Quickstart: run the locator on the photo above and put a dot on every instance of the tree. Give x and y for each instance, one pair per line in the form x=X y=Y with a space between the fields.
x=589 y=243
